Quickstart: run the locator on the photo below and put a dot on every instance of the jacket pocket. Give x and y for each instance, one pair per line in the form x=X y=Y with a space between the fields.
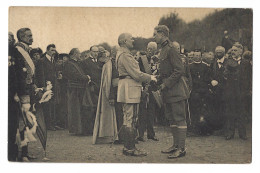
x=134 y=92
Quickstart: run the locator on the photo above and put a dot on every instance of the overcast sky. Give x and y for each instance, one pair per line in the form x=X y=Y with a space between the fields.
x=83 y=27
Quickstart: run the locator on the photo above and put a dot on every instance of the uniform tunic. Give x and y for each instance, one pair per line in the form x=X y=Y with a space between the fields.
x=129 y=85
x=171 y=71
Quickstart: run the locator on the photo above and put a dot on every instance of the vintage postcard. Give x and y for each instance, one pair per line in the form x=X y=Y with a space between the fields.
x=130 y=85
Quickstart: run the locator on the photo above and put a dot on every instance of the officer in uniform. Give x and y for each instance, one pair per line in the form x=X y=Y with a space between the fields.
x=25 y=71
x=174 y=90
x=129 y=91
x=147 y=63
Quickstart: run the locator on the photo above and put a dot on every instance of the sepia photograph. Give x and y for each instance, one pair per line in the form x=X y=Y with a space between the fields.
x=130 y=85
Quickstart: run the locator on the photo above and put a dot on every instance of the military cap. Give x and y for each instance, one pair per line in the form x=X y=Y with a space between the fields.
x=163 y=29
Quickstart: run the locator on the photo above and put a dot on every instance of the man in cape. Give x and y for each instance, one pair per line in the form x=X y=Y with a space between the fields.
x=105 y=126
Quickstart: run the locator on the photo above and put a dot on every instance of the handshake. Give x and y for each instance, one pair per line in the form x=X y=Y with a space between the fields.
x=154 y=78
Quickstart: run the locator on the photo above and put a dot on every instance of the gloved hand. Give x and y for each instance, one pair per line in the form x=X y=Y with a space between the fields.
x=214 y=82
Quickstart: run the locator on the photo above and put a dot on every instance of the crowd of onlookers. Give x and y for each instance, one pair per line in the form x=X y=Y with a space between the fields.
x=220 y=85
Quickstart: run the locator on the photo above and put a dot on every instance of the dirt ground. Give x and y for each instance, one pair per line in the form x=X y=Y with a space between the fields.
x=64 y=147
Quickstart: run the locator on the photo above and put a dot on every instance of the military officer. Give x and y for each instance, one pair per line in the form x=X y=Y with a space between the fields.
x=174 y=90
x=129 y=91
x=148 y=104
x=25 y=72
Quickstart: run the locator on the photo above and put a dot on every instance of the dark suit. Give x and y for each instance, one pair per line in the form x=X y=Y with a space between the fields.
x=45 y=71
x=80 y=116
x=232 y=92
x=200 y=74
x=94 y=70
x=218 y=101
x=13 y=113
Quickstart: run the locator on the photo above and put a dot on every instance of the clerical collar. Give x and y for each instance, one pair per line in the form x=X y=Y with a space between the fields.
x=237 y=59
x=197 y=62
x=48 y=57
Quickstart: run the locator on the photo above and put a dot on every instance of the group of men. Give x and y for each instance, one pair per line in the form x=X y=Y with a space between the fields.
x=115 y=94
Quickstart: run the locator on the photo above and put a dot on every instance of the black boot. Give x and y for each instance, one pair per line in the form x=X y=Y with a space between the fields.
x=180 y=152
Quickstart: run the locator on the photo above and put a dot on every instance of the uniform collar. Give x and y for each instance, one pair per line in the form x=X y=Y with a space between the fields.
x=124 y=50
x=166 y=42
x=24 y=46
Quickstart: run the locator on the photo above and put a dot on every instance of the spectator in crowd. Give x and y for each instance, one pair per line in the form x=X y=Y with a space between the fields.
x=78 y=94
x=113 y=96
x=92 y=67
x=13 y=106
x=105 y=127
x=200 y=91
x=46 y=71
x=84 y=55
x=246 y=84
x=232 y=92
x=190 y=57
x=217 y=85
x=36 y=54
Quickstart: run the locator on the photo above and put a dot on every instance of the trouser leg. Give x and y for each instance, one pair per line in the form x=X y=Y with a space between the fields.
x=142 y=120
x=177 y=117
x=130 y=112
x=231 y=117
x=119 y=120
x=150 y=117
x=241 y=120
x=12 y=130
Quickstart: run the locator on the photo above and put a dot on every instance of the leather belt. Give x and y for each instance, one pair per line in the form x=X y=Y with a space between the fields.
x=125 y=77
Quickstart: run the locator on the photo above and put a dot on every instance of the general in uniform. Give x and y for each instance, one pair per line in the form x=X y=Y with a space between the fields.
x=129 y=91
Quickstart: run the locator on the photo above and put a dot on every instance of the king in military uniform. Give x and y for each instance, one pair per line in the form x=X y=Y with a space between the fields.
x=174 y=90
